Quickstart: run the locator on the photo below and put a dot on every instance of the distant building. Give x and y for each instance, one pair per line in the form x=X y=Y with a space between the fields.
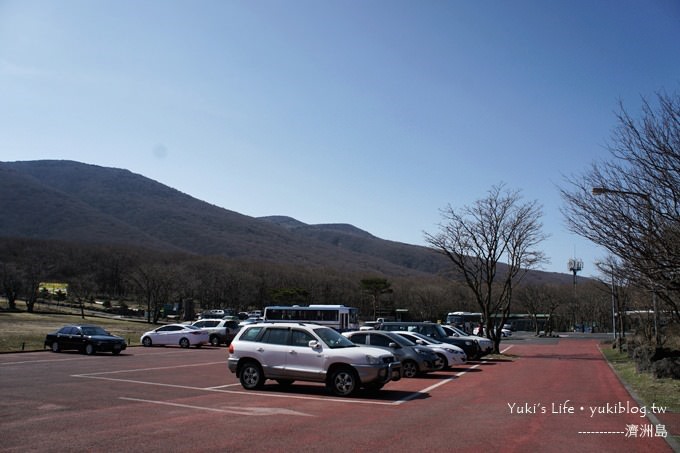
x=52 y=288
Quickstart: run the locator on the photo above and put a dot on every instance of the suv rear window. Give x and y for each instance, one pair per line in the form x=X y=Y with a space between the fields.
x=251 y=333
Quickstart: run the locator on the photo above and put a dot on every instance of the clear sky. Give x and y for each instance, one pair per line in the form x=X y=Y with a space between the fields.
x=375 y=113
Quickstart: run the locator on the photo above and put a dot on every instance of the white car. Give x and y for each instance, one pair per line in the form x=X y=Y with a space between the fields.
x=450 y=354
x=176 y=334
x=484 y=343
x=504 y=332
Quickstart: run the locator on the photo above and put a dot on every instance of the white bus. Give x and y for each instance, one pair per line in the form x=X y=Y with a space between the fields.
x=339 y=317
x=464 y=320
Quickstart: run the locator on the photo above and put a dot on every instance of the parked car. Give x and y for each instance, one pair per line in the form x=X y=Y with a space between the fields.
x=414 y=359
x=468 y=344
x=288 y=352
x=220 y=331
x=217 y=314
x=89 y=339
x=504 y=332
x=451 y=355
x=248 y=321
x=184 y=335
x=485 y=345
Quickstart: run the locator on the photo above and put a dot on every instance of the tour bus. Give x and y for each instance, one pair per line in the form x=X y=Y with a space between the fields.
x=339 y=317
x=464 y=320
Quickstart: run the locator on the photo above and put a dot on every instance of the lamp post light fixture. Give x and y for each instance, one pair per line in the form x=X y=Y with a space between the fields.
x=605 y=190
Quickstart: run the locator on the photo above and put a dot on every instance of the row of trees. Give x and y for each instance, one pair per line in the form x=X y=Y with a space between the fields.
x=152 y=280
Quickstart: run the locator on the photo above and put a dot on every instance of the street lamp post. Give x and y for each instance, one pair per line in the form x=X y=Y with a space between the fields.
x=647 y=198
x=613 y=291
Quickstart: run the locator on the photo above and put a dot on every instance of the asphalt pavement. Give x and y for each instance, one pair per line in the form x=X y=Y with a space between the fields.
x=548 y=394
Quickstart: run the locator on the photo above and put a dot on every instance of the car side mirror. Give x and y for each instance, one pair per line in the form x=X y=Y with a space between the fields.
x=314 y=344
x=393 y=345
x=420 y=342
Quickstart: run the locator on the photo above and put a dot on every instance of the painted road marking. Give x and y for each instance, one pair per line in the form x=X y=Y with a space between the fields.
x=224 y=388
x=28 y=362
x=76 y=356
x=149 y=369
x=258 y=411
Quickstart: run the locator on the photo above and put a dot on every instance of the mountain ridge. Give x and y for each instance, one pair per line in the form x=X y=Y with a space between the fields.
x=73 y=201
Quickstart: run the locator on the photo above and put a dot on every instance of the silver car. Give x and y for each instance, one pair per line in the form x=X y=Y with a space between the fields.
x=414 y=359
x=451 y=355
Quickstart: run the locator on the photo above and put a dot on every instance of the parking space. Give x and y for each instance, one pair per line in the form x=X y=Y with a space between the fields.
x=173 y=399
x=207 y=373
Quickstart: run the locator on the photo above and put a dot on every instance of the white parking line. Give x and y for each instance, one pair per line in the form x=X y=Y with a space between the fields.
x=28 y=362
x=258 y=411
x=74 y=356
x=149 y=369
x=217 y=387
x=223 y=388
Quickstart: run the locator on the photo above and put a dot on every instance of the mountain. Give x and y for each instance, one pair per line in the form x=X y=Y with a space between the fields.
x=72 y=201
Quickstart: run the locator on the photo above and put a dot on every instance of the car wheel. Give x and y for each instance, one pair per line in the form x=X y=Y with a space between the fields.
x=115 y=352
x=215 y=340
x=184 y=343
x=89 y=349
x=409 y=369
x=251 y=376
x=445 y=361
x=285 y=382
x=146 y=341
x=343 y=382
x=55 y=347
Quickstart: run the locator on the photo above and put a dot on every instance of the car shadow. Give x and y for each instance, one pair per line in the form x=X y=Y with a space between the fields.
x=495 y=360
x=319 y=390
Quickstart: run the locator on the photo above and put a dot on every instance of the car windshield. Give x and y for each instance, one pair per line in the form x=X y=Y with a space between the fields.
x=93 y=330
x=333 y=339
x=399 y=339
x=458 y=331
x=426 y=339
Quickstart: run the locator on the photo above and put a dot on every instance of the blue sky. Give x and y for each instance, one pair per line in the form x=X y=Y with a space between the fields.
x=373 y=113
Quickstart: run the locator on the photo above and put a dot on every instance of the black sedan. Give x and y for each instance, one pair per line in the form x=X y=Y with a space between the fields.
x=86 y=338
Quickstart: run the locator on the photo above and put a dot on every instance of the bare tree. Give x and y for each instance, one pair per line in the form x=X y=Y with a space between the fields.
x=630 y=204
x=542 y=302
x=478 y=238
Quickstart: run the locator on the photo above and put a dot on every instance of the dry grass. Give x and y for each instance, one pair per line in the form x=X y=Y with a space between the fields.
x=662 y=392
x=22 y=331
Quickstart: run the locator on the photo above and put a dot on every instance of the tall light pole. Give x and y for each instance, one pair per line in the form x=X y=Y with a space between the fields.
x=575 y=266
x=647 y=198
x=611 y=272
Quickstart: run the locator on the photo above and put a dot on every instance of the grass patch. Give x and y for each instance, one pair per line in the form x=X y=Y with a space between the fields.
x=22 y=331
x=662 y=392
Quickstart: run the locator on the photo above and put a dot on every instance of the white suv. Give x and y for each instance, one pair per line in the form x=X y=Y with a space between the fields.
x=288 y=352
x=220 y=330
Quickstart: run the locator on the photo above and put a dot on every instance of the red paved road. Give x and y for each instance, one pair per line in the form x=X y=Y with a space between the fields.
x=167 y=399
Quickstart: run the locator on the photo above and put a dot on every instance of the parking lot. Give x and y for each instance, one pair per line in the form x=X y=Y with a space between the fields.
x=149 y=399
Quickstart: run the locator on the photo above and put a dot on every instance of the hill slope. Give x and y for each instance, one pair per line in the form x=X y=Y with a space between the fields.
x=78 y=202
x=72 y=201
